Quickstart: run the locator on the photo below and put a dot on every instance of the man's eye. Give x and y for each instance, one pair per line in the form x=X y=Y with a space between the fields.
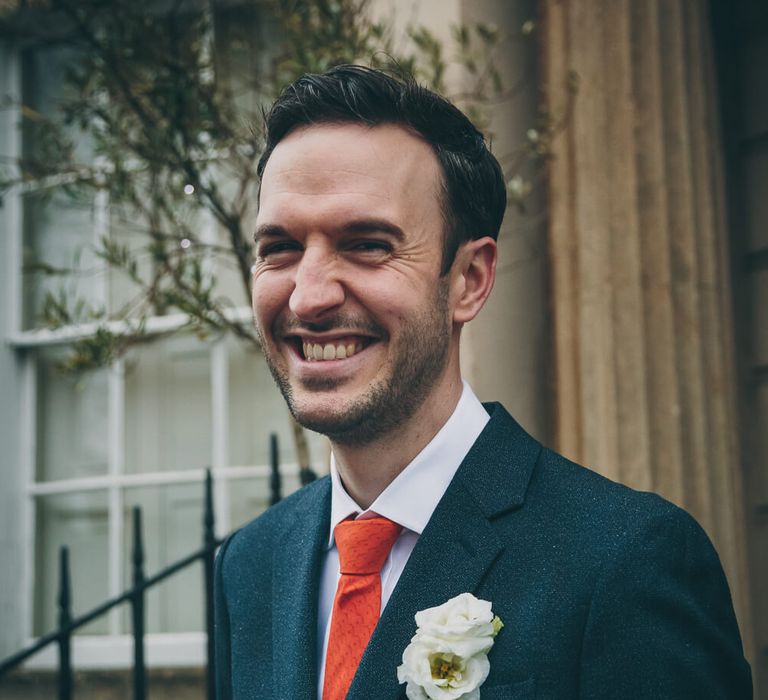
x=370 y=246
x=272 y=250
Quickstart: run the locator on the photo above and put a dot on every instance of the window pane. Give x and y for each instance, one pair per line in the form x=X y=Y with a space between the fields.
x=58 y=254
x=249 y=497
x=133 y=228
x=257 y=409
x=78 y=521
x=71 y=421
x=45 y=90
x=168 y=406
x=58 y=226
x=128 y=228
x=172 y=525
x=246 y=38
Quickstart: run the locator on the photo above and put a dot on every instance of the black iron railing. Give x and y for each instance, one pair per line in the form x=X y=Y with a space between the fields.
x=135 y=596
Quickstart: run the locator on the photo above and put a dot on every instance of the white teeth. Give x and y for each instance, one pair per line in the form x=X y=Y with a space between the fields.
x=329 y=351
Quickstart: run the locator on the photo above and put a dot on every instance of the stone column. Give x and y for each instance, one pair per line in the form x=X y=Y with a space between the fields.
x=506 y=349
x=640 y=293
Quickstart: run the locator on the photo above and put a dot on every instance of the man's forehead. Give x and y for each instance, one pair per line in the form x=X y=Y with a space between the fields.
x=375 y=162
x=310 y=151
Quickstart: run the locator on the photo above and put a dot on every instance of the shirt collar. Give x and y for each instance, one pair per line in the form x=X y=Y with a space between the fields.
x=413 y=495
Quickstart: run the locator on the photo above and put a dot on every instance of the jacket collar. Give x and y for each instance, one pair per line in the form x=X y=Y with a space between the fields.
x=456 y=548
x=297 y=561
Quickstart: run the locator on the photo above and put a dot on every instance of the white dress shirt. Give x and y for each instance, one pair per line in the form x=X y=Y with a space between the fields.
x=409 y=500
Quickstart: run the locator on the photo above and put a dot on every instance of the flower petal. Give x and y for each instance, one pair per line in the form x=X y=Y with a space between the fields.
x=447 y=658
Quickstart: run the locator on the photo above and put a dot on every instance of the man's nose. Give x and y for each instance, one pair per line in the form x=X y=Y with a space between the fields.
x=318 y=289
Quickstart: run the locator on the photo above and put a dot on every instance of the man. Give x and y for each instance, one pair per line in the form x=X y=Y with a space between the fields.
x=375 y=243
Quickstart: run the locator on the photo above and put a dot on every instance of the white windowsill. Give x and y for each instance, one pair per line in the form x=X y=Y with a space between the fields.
x=189 y=476
x=180 y=650
x=154 y=326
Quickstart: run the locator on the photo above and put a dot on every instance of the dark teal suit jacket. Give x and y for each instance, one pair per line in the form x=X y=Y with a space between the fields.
x=604 y=592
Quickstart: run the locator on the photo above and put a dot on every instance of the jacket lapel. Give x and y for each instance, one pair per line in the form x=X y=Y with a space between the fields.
x=297 y=566
x=456 y=549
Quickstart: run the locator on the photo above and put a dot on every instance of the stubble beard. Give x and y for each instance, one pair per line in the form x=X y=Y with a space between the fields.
x=420 y=356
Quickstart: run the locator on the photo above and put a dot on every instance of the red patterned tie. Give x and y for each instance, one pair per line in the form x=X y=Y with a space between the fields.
x=363 y=548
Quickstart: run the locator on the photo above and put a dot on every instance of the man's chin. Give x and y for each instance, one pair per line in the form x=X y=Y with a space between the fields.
x=331 y=406
x=328 y=423
x=321 y=384
x=342 y=421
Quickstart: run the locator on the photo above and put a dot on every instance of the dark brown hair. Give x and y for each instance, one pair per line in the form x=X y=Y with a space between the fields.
x=475 y=195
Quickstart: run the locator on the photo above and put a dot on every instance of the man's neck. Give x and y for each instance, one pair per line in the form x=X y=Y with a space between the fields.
x=366 y=470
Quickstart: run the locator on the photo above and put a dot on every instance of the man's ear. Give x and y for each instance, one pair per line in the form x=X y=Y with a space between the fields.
x=473 y=273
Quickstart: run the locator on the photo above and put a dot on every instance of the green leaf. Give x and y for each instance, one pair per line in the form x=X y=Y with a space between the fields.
x=489 y=33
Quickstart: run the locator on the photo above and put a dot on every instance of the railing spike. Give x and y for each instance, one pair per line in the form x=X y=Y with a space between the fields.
x=137 y=555
x=209 y=545
x=65 y=634
x=65 y=594
x=275 y=480
x=137 y=608
x=208 y=518
x=307 y=475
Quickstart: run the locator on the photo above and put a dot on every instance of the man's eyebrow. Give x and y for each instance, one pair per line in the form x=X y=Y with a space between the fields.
x=350 y=228
x=268 y=231
x=373 y=226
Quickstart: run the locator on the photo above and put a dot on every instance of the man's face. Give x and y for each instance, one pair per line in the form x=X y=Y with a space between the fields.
x=348 y=301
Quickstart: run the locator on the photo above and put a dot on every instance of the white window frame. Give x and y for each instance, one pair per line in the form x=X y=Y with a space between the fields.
x=113 y=650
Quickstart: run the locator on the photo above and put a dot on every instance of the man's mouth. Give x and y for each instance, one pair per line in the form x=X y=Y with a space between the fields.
x=331 y=350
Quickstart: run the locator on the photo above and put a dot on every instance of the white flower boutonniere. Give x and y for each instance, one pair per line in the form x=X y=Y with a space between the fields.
x=447 y=658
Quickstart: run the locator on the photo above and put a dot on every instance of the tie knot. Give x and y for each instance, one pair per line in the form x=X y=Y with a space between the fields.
x=364 y=544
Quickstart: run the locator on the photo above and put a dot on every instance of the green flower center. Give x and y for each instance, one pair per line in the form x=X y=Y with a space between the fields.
x=446 y=667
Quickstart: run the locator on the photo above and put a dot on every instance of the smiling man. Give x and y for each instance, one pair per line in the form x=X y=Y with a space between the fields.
x=375 y=241
x=357 y=319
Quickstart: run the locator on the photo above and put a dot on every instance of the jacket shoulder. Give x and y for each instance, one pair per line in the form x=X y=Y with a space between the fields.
x=575 y=486
x=563 y=492
x=604 y=521
x=564 y=502
x=261 y=532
